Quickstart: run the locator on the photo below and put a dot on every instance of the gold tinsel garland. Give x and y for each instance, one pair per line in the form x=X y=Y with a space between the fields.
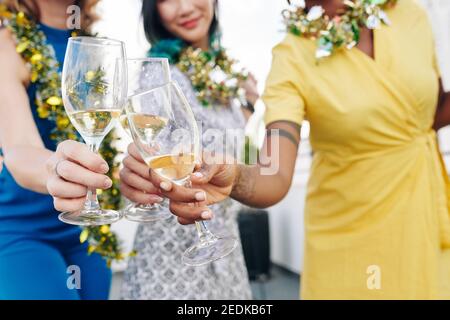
x=343 y=31
x=44 y=70
x=213 y=75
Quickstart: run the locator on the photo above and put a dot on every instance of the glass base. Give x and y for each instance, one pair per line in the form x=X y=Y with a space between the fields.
x=208 y=250
x=90 y=217
x=146 y=212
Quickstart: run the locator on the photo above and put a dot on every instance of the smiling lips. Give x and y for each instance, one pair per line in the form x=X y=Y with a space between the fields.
x=190 y=24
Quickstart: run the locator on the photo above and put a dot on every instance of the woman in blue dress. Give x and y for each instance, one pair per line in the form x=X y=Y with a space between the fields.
x=41 y=257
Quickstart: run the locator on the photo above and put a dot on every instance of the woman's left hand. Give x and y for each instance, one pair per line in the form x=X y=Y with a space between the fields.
x=251 y=89
x=135 y=182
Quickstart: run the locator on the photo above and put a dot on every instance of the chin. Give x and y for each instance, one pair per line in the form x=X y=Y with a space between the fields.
x=193 y=36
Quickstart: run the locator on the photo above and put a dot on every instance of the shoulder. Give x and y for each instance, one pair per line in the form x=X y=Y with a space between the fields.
x=410 y=10
x=412 y=20
x=290 y=45
x=183 y=81
x=410 y=6
x=10 y=60
x=292 y=59
x=177 y=75
x=186 y=87
x=7 y=46
x=294 y=52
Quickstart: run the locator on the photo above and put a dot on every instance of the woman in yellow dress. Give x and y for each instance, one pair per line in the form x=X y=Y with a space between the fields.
x=377 y=209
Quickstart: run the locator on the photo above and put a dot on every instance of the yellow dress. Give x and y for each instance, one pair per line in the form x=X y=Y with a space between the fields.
x=377 y=222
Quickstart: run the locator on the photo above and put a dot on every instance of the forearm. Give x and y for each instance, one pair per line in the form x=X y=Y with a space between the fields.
x=255 y=189
x=442 y=117
x=247 y=113
x=266 y=183
x=27 y=165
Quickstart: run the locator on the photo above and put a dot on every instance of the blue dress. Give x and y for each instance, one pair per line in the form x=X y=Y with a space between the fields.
x=41 y=257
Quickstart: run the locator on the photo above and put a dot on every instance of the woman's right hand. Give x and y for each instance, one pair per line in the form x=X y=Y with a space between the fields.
x=250 y=87
x=135 y=182
x=212 y=183
x=71 y=170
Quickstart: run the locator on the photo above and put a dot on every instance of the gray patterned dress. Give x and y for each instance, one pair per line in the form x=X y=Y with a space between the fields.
x=157 y=271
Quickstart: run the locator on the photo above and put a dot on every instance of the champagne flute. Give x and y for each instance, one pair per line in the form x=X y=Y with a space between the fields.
x=170 y=145
x=145 y=74
x=94 y=90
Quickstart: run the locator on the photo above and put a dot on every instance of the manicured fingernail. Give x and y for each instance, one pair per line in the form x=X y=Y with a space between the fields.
x=200 y=196
x=158 y=199
x=198 y=174
x=166 y=186
x=107 y=183
x=104 y=167
x=206 y=215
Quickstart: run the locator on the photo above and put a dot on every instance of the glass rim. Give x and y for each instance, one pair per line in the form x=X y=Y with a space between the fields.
x=147 y=59
x=96 y=41
x=186 y=106
x=169 y=83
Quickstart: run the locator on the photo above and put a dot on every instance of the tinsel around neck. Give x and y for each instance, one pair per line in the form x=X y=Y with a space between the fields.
x=340 y=31
x=214 y=76
x=172 y=48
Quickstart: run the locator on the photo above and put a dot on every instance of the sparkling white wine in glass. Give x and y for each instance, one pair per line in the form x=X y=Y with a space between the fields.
x=94 y=90
x=94 y=123
x=177 y=168
x=124 y=123
x=147 y=125
x=171 y=150
x=145 y=74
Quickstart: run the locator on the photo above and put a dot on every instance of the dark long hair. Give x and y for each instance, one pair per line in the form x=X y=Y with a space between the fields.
x=154 y=28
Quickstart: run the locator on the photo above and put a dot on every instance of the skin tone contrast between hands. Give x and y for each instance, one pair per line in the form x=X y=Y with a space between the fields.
x=244 y=183
x=33 y=166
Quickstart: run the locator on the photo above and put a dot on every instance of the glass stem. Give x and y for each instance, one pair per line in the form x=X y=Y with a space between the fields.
x=205 y=236
x=91 y=203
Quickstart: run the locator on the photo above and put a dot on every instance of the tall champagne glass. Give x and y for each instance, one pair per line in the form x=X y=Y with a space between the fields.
x=145 y=74
x=94 y=87
x=166 y=134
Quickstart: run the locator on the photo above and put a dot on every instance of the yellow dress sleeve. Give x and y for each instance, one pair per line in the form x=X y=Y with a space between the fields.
x=282 y=96
x=423 y=16
x=436 y=64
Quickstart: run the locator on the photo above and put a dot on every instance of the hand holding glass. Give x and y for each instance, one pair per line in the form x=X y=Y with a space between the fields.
x=145 y=74
x=94 y=91
x=165 y=132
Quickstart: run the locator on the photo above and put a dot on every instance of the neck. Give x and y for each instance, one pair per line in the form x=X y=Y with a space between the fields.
x=53 y=12
x=202 y=44
x=331 y=7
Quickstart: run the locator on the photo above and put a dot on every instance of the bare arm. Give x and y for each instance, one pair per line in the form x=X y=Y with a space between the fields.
x=24 y=152
x=251 y=94
x=442 y=117
x=254 y=185
x=32 y=165
x=261 y=185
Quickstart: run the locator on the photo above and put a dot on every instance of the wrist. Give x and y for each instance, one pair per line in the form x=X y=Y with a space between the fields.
x=252 y=98
x=250 y=106
x=237 y=175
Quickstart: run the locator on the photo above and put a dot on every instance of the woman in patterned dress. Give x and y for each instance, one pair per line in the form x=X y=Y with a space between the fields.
x=377 y=212
x=157 y=271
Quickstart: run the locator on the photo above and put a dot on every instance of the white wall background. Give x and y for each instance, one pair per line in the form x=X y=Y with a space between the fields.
x=439 y=12
x=250 y=29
